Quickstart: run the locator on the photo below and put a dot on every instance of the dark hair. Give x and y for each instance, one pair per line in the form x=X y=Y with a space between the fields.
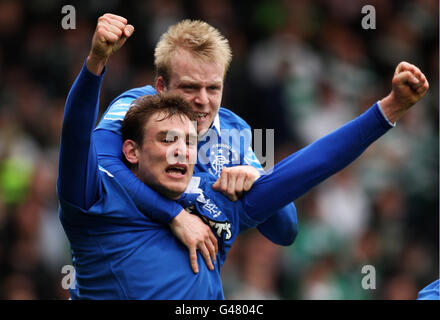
x=144 y=107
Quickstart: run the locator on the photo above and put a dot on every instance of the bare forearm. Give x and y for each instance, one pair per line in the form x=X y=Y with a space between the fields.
x=95 y=64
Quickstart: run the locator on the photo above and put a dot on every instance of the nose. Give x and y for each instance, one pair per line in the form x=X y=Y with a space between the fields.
x=202 y=97
x=181 y=153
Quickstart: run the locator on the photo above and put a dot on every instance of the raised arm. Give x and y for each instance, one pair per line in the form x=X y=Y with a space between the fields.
x=77 y=173
x=111 y=33
x=78 y=165
x=281 y=226
x=308 y=167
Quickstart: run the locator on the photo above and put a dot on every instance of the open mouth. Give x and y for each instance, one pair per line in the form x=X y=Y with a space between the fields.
x=177 y=170
x=201 y=116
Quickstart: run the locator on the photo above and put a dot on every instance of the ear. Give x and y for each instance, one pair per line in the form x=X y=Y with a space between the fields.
x=130 y=150
x=160 y=84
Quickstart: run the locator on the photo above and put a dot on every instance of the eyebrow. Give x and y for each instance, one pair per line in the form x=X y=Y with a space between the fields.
x=197 y=83
x=175 y=133
x=168 y=132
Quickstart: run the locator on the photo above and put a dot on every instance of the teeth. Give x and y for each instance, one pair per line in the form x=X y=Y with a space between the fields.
x=201 y=115
x=182 y=170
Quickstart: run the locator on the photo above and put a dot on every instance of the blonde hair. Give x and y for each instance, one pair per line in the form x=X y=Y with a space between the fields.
x=197 y=37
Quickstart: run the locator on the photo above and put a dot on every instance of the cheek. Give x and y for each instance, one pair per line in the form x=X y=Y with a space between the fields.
x=215 y=103
x=152 y=170
x=151 y=161
x=193 y=156
x=185 y=95
x=159 y=157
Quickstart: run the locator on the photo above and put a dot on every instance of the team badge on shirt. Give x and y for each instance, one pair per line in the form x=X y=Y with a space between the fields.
x=221 y=155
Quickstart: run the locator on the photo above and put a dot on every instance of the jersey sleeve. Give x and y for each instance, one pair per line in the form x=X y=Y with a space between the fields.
x=311 y=165
x=114 y=115
x=281 y=227
x=78 y=178
x=109 y=148
x=251 y=159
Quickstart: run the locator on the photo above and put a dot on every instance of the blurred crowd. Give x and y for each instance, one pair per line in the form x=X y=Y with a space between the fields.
x=300 y=67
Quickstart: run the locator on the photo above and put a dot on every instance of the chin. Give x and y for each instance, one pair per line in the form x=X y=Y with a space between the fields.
x=203 y=127
x=201 y=130
x=174 y=191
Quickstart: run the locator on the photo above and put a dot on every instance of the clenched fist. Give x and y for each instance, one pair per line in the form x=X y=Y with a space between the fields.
x=409 y=85
x=111 y=33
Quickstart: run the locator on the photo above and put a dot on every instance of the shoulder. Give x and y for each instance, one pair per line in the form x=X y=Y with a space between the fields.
x=233 y=210
x=134 y=93
x=204 y=181
x=124 y=100
x=117 y=109
x=230 y=120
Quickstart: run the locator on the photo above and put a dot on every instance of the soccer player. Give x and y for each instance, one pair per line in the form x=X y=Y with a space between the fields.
x=120 y=253
x=192 y=59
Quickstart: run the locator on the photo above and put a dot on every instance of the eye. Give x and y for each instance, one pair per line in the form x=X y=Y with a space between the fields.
x=168 y=140
x=188 y=87
x=214 y=88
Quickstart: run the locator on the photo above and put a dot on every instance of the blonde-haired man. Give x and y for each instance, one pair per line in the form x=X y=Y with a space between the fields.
x=191 y=60
x=197 y=37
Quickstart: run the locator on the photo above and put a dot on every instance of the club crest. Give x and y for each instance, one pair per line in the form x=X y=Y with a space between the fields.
x=221 y=155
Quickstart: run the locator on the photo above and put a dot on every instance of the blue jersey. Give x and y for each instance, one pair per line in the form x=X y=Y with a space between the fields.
x=430 y=292
x=227 y=143
x=120 y=253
